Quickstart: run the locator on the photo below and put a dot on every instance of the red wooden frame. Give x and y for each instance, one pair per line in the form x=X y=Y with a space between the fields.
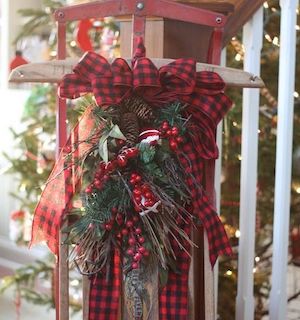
x=139 y=10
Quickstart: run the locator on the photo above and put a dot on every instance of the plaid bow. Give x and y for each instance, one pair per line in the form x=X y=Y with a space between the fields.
x=110 y=84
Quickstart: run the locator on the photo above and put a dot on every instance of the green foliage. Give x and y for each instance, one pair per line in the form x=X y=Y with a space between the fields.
x=173 y=114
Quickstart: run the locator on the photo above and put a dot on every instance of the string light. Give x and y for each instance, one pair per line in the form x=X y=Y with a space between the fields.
x=229 y=273
x=273 y=9
x=73 y=43
x=43 y=186
x=74 y=282
x=267 y=36
x=254 y=270
x=276 y=41
x=257 y=259
x=298 y=190
x=266 y=5
x=296 y=94
x=240 y=157
x=297 y=27
x=238 y=57
x=237 y=233
x=40 y=170
x=234 y=123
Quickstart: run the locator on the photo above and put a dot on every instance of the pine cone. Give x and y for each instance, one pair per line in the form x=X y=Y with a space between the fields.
x=130 y=128
x=139 y=107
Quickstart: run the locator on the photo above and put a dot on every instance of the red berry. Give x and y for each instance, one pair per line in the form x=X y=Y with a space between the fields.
x=168 y=133
x=142 y=250
x=129 y=224
x=124 y=232
x=175 y=131
x=150 y=203
x=135 y=218
x=138 y=230
x=137 y=257
x=108 y=226
x=138 y=179
x=165 y=125
x=132 y=181
x=122 y=161
x=131 y=241
x=173 y=145
x=146 y=253
x=134 y=265
x=111 y=165
x=105 y=178
x=141 y=240
x=88 y=189
x=145 y=188
x=137 y=191
x=102 y=165
x=149 y=195
x=179 y=139
x=131 y=153
x=147 y=203
x=133 y=175
x=137 y=199
x=97 y=183
x=130 y=252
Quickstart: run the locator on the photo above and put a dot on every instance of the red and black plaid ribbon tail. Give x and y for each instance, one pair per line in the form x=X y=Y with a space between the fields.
x=56 y=198
x=173 y=299
x=105 y=292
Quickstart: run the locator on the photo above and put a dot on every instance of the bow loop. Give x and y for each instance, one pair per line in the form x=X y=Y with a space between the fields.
x=209 y=83
x=145 y=77
x=73 y=86
x=122 y=78
x=179 y=76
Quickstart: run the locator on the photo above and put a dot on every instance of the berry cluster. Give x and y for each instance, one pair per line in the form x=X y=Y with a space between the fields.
x=100 y=178
x=135 y=242
x=172 y=134
x=104 y=169
x=126 y=154
x=142 y=193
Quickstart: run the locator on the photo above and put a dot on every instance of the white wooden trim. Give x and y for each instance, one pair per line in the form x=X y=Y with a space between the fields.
x=217 y=182
x=252 y=39
x=278 y=295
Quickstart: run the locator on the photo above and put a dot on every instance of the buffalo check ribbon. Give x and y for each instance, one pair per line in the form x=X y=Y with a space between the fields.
x=111 y=84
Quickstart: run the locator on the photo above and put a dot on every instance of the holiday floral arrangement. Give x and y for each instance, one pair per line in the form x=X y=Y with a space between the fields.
x=135 y=192
x=135 y=164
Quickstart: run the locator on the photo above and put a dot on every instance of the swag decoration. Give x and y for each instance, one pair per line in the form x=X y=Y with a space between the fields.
x=136 y=158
